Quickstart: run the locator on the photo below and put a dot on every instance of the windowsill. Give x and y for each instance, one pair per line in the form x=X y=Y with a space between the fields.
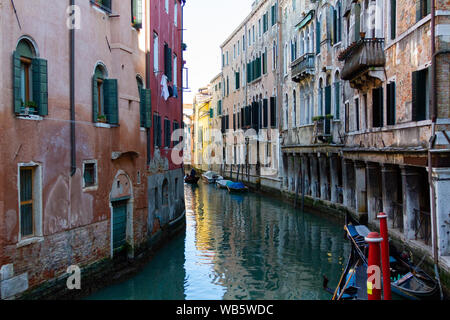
x=399 y=126
x=90 y=189
x=30 y=117
x=29 y=241
x=105 y=125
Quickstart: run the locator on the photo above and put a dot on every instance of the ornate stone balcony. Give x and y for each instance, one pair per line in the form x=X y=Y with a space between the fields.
x=302 y=67
x=364 y=61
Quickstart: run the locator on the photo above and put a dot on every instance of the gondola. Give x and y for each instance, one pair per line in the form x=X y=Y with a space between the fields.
x=191 y=179
x=407 y=281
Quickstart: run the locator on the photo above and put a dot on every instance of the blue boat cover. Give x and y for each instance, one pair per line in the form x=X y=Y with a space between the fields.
x=235 y=185
x=352 y=231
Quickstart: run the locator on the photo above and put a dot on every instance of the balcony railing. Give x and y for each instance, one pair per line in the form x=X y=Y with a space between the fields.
x=360 y=57
x=302 y=67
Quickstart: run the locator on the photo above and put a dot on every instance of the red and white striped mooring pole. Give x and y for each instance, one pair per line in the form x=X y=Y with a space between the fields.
x=373 y=268
x=385 y=256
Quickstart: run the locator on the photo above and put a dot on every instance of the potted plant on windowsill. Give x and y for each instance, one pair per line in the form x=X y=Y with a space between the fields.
x=329 y=117
x=102 y=119
x=30 y=107
x=318 y=118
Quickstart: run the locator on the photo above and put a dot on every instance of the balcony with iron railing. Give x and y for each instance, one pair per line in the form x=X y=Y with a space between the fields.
x=303 y=67
x=364 y=61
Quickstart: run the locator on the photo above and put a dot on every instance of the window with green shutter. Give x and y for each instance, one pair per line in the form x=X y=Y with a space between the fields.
x=167 y=133
x=111 y=101
x=136 y=13
x=168 y=61
x=105 y=98
x=157 y=130
x=30 y=81
x=146 y=108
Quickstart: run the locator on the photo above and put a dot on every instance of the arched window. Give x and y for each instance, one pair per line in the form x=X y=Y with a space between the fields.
x=104 y=97
x=30 y=81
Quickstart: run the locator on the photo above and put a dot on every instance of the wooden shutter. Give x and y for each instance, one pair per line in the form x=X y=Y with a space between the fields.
x=393 y=18
x=17 y=100
x=318 y=36
x=337 y=100
x=391 y=103
x=168 y=61
x=94 y=99
x=273 y=112
x=357 y=21
x=146 y=108
x=110 y=94
x=40 y=85
x=327 y=100
x=266 y=113
x=415 y=96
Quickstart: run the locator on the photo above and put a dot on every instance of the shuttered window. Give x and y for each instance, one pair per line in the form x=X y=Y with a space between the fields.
x=420 y=95
x=237 y=76
x=266 y=113
x=377 y=107
x=390 y=88
x=274 y=14
x=157 y=130
x=318 y=35
x=337 y=100
x=105 y=99
x=168 y=61
x=167 y=133
x=104 y=4
x=30 y=82
x=146 y=108
x=26 y=202
x=393 y=19
x=273 y=112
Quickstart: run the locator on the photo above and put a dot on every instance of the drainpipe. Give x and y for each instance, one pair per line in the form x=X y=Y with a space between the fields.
x=433 y=108
x=73 y=159
x=183 y=3
x=147 y=73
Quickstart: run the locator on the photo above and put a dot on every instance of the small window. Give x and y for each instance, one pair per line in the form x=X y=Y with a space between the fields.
x=167 y=133
x=103 y=4
x=166 y=6
x=30 y=202
x=90 y=174
x=26 y=202
x=420 y=95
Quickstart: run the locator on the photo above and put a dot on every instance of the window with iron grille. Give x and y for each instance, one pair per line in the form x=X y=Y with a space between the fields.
x=90 y=174
x=26 y=202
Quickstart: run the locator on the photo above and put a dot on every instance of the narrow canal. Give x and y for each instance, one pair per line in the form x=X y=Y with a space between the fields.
x=241 y=247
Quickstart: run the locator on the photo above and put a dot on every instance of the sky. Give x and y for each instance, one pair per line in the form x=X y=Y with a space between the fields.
x=207 y=24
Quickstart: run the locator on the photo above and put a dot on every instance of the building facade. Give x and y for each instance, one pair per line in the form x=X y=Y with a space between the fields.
x=85 y=177
x=362 y=121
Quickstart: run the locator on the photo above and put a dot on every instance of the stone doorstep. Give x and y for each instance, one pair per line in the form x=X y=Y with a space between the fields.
x=14 y=286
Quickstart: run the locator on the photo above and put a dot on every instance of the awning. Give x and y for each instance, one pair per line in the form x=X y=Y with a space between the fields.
x=305 y=20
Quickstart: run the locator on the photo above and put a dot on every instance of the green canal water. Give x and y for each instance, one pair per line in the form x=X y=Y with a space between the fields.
x=239 y=247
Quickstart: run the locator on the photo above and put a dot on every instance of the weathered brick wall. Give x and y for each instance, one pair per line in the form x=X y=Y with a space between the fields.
x=51 y=257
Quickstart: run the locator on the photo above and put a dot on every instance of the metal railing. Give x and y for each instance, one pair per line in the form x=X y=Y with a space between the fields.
x=423 y=226
x=397 y=217
x=303 y=66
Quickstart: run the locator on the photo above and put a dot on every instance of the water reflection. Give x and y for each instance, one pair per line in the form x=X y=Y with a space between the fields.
x=241 y=247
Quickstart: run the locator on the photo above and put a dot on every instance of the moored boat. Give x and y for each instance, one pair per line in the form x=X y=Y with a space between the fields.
x=191 y=179
x=236 y=187
x=211 y=177
x=222 y=184
x=407 y=281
